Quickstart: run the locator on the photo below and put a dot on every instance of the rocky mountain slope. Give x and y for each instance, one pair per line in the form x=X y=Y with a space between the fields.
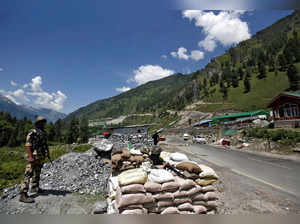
x=21 y=111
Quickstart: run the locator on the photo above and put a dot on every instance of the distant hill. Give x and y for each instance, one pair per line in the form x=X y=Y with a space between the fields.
x=21 y=111
x=261 y=63
x=150 y=97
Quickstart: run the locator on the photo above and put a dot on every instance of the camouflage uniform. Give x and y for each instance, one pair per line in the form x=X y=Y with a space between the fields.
x=37 y=140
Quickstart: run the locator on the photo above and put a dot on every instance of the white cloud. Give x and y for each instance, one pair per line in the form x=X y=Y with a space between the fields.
x=11 y=98
x=226 y=27
x=123 y=89
x=44 y=99
x=209 y=44
x=1 y=69
x=20 y=94
x=146 y=73
x=13 y=83
x=164 y=56
x=36 y=95
x=197 y=55
x=182 y=54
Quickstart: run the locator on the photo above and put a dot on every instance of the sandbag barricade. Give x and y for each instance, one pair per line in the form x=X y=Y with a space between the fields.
x=187 y=188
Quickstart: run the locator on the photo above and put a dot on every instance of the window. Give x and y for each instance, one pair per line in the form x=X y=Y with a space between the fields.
x=288 y=110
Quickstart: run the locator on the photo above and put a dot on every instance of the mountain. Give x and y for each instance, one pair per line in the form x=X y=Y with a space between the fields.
x=150 y=97
x=246 y=77
x=21 y=111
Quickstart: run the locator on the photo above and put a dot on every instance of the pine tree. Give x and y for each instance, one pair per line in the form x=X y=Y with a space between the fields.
x=84 y=131
x=262 y=71
x=247 y=85
x=282 y=62
x=294 y=78
x=223 y=90
x=241 y=73
x=73 y=131
x=235 y=81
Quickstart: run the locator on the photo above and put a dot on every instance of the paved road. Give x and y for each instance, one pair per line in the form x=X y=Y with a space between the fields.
x=279 y=173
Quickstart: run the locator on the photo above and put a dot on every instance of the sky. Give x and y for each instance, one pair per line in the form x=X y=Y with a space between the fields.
x=66 y=54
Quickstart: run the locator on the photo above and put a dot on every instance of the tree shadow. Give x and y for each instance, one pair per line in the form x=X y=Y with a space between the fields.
x=52 y=192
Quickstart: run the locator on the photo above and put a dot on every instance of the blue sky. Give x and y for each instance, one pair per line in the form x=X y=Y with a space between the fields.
x=64 y=56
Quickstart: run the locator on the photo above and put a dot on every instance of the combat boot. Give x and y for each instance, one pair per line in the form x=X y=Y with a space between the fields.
x=25 y=198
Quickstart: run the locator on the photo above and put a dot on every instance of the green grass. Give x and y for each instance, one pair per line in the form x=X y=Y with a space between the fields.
x=262 y=91
x=14 y=160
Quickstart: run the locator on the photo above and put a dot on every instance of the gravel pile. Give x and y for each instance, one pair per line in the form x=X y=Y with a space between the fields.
x=75 y=172
x=137 y=141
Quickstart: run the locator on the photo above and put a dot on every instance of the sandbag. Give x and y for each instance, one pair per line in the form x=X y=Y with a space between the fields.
x=125 y=154
x=178 y=157
x=199 y=209
x=170 y=186
x=202 y=203
x=152 y=187
x=165 y=203
x=164 y=155
x=160 y=176
x=184 y=184
x=189 y=175
x=149 y=198
x=116 y=158
x=189 y=166
x=194 y=190
x=198 y=197
x=149 y=205
x=161 y=196
x=133 y=188
x=207 y=172
x=137 y=159
x=211 y=204
x=205 y=182
x=130 y=199
x=179 y=201
x=209 y=196
x=185 y=207
x=134 y=212
x=180 y=194
x=208 y=188
x=170 y=210
x=134 y=176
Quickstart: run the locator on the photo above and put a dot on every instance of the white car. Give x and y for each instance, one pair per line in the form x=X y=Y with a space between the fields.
x=199 y=139
x=186 y=136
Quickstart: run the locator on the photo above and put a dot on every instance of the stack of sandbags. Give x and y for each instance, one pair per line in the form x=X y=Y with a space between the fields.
x=131 y=194
x=187 y=188
x=123 y=159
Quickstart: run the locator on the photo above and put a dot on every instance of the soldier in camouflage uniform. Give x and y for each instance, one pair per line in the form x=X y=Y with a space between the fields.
x=37 y=150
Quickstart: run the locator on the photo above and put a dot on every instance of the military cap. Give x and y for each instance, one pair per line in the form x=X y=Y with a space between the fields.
x=39 y=119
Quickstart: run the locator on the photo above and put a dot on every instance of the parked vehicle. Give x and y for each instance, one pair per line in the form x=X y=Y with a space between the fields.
x=199 y=139
x=186 y=136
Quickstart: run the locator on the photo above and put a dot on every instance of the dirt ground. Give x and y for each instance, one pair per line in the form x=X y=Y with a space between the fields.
x=242 y=195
